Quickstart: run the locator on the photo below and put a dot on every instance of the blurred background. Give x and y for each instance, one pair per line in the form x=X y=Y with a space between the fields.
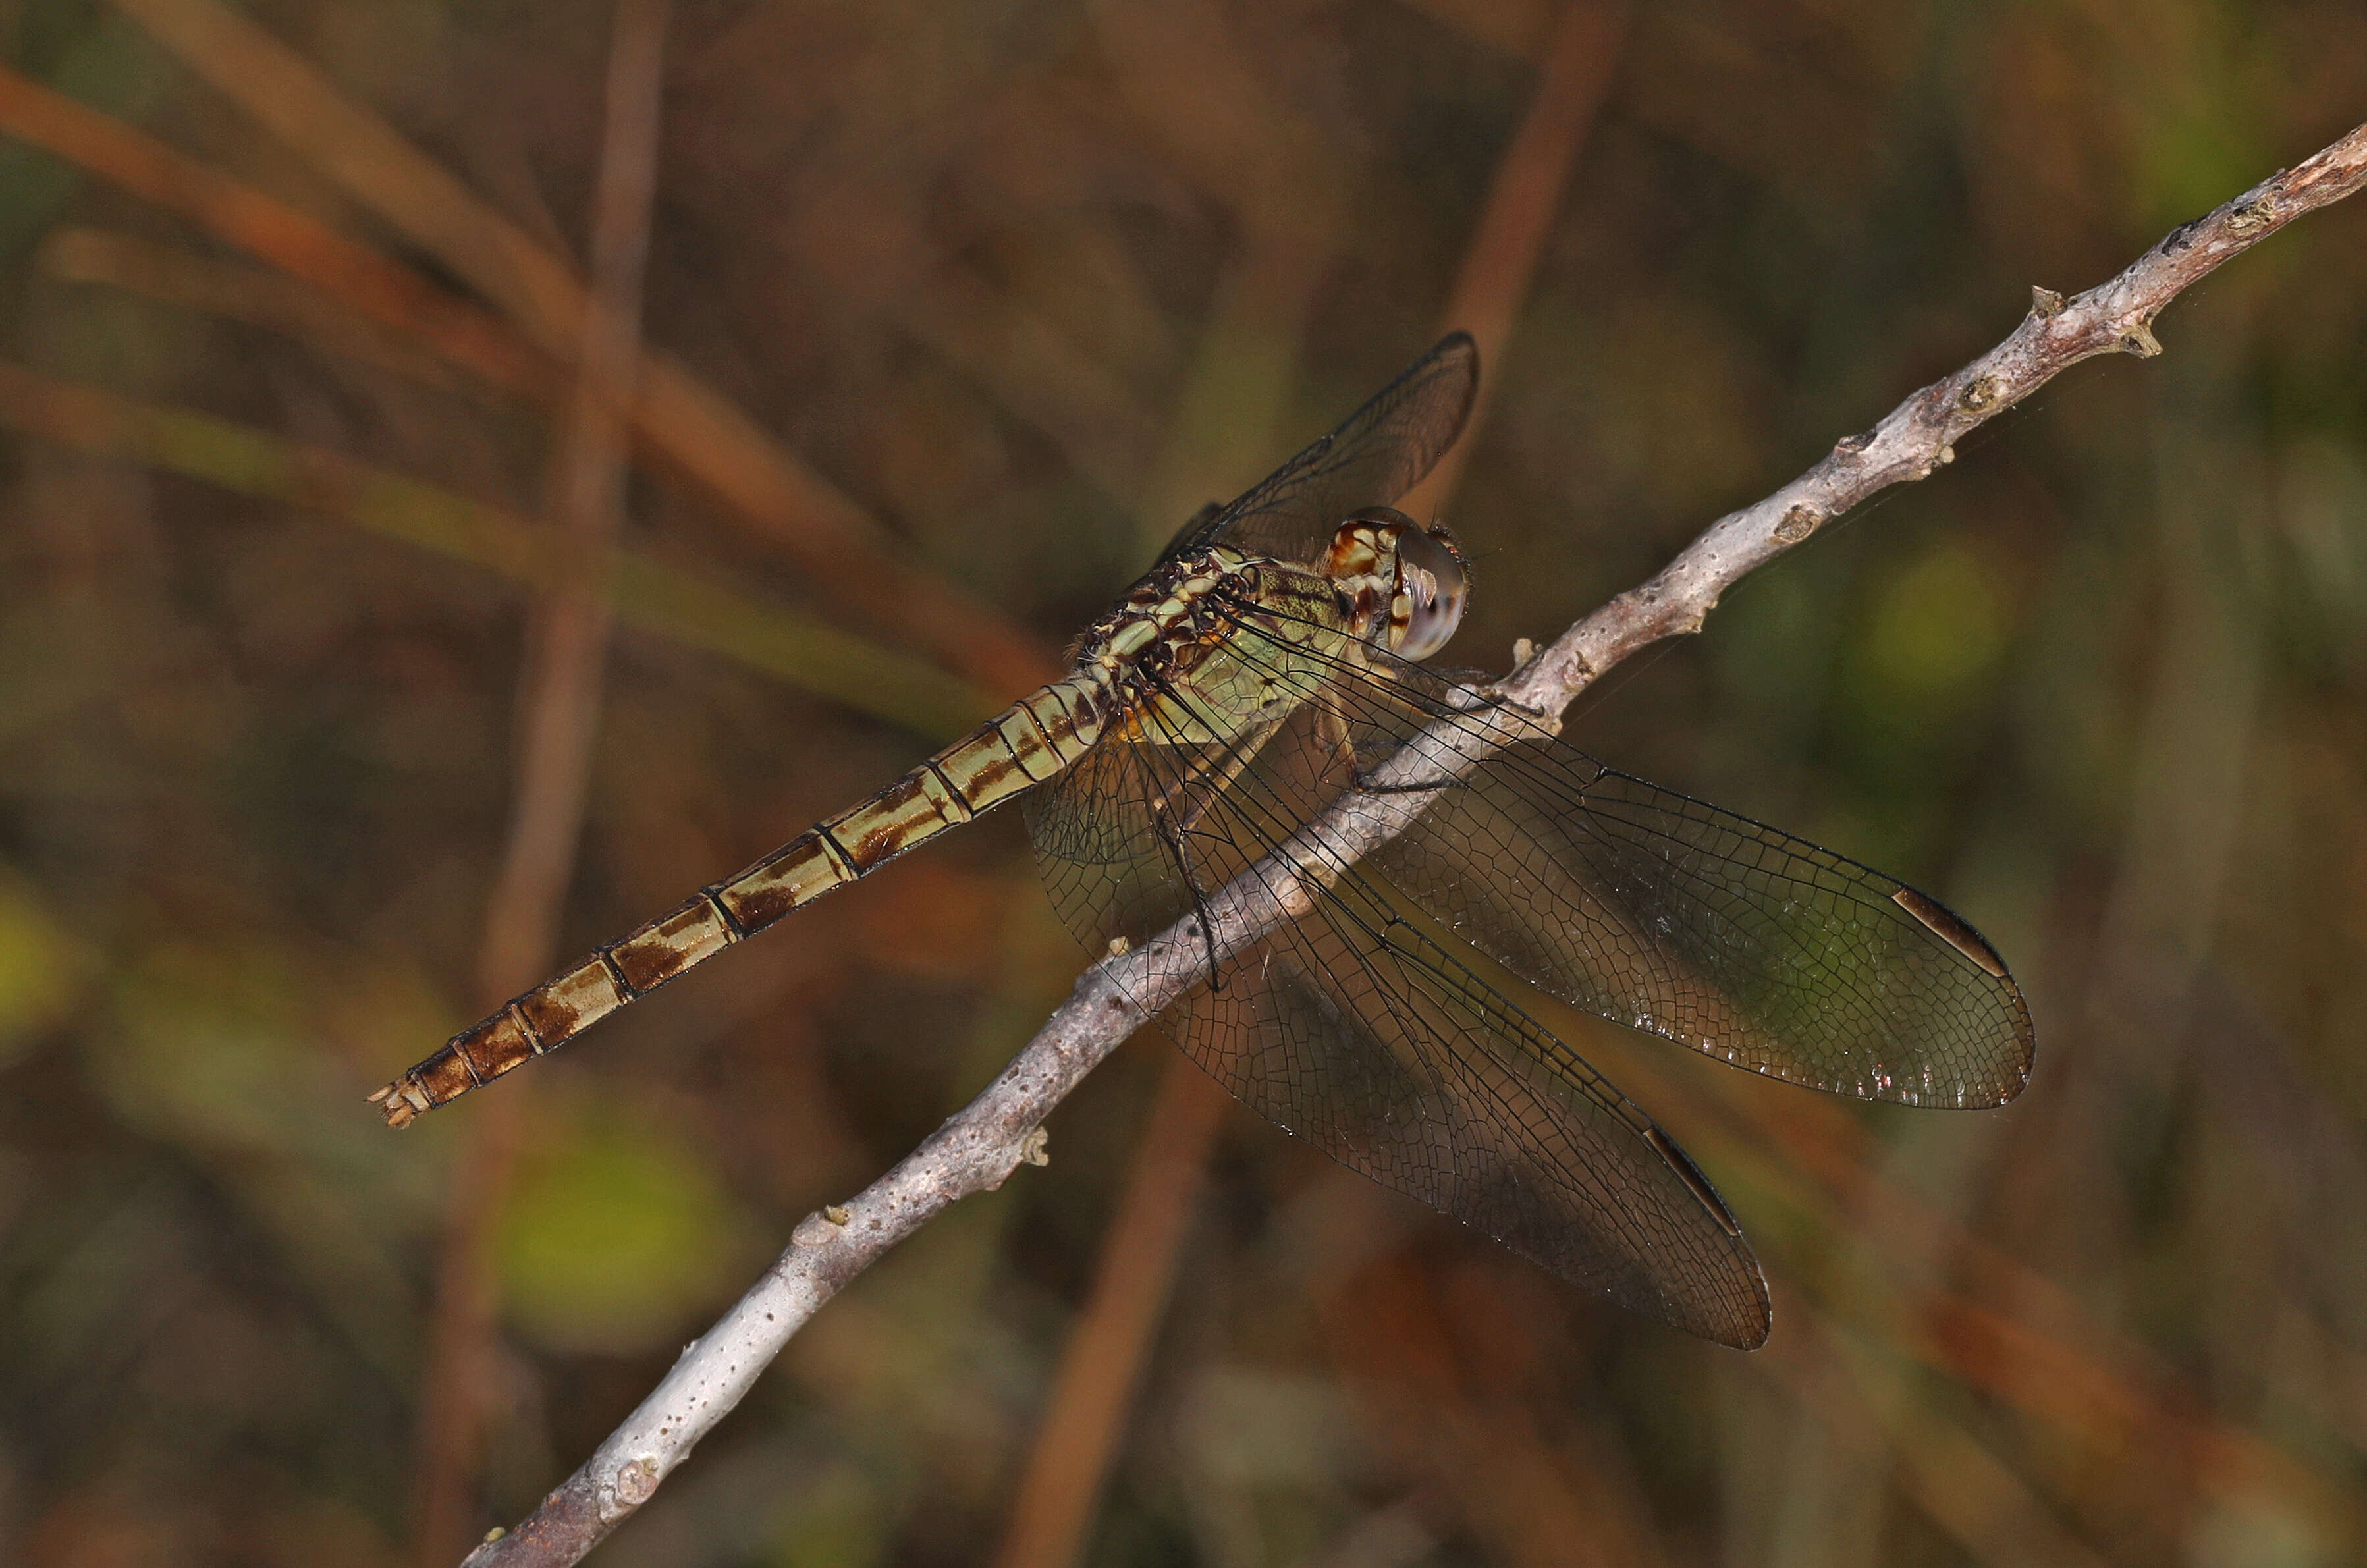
x=315 y=735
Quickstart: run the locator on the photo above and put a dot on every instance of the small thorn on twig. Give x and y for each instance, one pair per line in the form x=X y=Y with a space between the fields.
x=2044 y=301
x=2139 y=339
x=822 y=1227
x=1523 y=651
x=1034 y=1149
x=637 y=1482
x=1119 y=947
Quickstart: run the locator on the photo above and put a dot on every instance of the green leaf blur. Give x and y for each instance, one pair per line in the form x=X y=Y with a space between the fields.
x=615 y=1236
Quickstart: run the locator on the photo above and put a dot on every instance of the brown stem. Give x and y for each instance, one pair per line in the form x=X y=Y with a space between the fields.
x=984 y=1142
x=1523 y=198
x=785 y=644
x=1102 y=1360
x=1531 y=1502
x=296 y=242
x=560 y=708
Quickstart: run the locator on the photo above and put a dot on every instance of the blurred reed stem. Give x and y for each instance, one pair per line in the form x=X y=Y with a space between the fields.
x=647 y=594
x=1529 y=1501
x=699 y=431
x=1523 y=200
x=1102 y=1363
x=295 y=242
x=1990 y=1324
x=188 y=281
x=560 y=694
x=1959 y=1483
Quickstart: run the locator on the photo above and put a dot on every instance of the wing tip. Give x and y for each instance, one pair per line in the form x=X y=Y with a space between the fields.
x=1958 y=933
x=1458 y=343
x=1735 y=1323
x=2026 y=1056
x=1755 y=1334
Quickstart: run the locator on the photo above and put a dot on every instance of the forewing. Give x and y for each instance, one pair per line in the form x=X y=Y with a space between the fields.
x=1660 y=912
x=1381 y=452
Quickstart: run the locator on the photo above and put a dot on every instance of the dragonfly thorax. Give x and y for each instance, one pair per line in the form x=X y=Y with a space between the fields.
x=1180 y=606
x=1213 y=645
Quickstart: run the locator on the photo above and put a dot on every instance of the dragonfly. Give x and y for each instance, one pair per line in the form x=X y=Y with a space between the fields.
x=1271 y=665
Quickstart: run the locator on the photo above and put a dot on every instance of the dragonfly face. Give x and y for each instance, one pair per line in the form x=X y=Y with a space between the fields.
x=1265 y=670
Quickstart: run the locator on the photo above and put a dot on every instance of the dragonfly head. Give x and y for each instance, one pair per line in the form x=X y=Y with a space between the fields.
x=1428 y=585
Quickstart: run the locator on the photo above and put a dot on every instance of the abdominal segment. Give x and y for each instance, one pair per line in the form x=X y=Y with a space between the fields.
x=1031 y=742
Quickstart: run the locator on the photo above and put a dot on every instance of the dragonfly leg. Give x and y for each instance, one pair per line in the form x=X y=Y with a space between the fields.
x=1206 y=781
x=1175 y=843
x=1180 y=806
x=1332 y=733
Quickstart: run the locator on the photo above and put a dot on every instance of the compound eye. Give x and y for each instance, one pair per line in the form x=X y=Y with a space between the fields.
x=1432 y=588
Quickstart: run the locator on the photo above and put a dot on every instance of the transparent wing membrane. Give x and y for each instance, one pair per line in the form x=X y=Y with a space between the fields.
x=1378 y=454
x=1355 y=1029
x=1356 y=1026
x=1667 y=914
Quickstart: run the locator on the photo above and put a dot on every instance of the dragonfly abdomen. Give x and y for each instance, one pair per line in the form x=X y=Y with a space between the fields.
x=1027 y=743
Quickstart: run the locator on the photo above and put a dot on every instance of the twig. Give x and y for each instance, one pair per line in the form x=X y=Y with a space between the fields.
x=560 y=690
x=983 y=1142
